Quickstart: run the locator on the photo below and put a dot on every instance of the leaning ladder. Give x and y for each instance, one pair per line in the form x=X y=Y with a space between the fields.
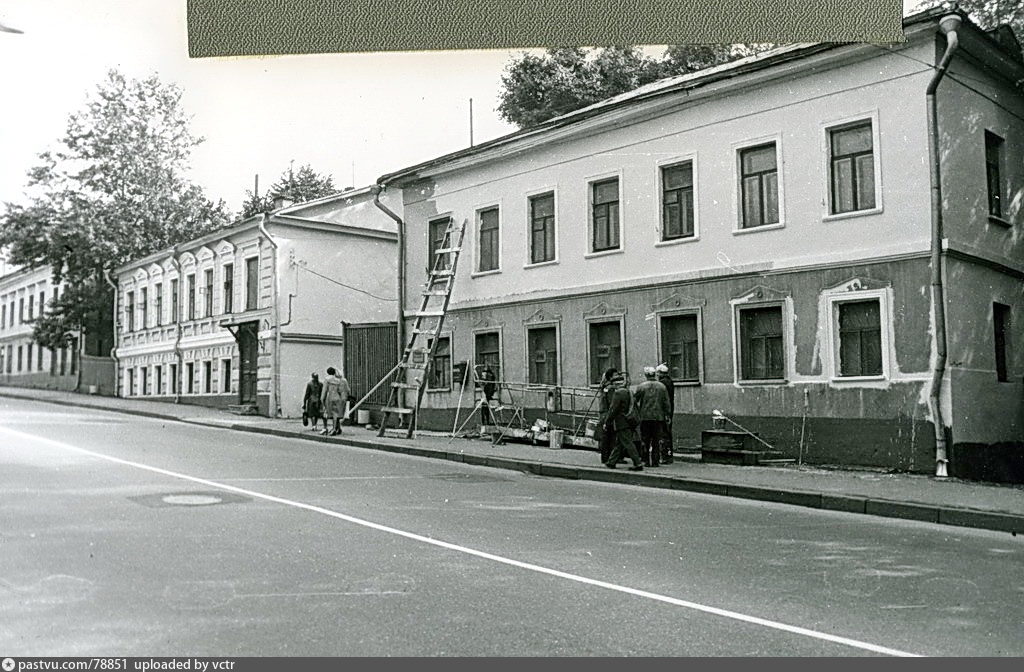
x=429 y=321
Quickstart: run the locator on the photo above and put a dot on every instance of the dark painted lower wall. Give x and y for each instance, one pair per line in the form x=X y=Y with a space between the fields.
x=210 y=400
x=41 y=381
x=999 y=463
x=903 y=443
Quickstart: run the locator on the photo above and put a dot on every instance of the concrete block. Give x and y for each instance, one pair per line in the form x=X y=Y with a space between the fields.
x=882 y=507
x=559 y=471
x=843 y=503
x=1001 y=522
x=692 y=485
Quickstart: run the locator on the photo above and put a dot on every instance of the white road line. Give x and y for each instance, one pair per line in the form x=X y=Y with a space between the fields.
x=755 y=620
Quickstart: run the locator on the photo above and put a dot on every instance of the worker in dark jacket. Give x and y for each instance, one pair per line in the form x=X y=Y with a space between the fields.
x=617 y=424
x=651 y=400
x=666 y=434
x=604 y=395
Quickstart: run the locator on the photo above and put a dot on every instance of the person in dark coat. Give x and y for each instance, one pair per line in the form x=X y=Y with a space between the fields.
x=666 y=434
x=651 y=401
x=311 y=401
x=604 y=439
x=617 y=424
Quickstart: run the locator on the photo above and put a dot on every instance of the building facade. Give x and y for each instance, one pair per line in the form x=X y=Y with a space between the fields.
x=763 y=228
x=24 y=296
x=242 y=316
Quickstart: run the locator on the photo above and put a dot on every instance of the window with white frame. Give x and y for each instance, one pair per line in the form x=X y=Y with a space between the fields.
x=144 y=380
x=208 y=289
x=252 y=283
x=438 y=239
x=857 y=325
x=144 y=308
x=130 y=378
x=225 y=375
x=680 y=346
x=190 y=377
x=228 y=302
x=542 y=228
x=851 y=167
x=207 y=376
x=677 y=201
x=158 y=308
x=604 y=215
x=129 y=311
x=605 y=340
x=488 y=250
x=761 y=343
x=759 y=186
x=487 y=351
x=993 y=173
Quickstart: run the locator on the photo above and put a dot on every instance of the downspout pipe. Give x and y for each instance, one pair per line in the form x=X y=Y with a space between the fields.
x=377 y=189
x=275 y=388
x=113 y=348
x=948 y=25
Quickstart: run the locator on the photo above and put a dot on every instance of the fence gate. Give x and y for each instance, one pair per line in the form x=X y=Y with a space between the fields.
x=371 y=351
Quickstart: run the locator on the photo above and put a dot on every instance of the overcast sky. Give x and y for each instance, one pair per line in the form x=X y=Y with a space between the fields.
x=380 y=111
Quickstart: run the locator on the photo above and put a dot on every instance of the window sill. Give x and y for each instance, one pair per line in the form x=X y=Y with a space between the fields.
x=677 y=241
x=686 y=383
x=758 y=229
x=430 y=390
x=858 y=379
x=767 y=382
x=839 y=216
x=480 y=274
x=999 y=221
x=603 y=253
x=540 y=263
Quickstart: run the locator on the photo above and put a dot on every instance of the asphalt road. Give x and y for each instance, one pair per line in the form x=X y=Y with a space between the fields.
x=122 y=535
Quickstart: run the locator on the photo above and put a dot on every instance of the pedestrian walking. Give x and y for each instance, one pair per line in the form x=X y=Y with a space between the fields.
x=333 y=400
x=604 y=439
x=311 y=402
x=667 y=444
x=618 y=423
x=651 y=399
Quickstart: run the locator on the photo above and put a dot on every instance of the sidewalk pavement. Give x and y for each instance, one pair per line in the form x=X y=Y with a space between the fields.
x=917 y=497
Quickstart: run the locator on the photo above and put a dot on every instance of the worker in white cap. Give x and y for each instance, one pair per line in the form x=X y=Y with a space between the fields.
x=667 y=444
x=651 y=400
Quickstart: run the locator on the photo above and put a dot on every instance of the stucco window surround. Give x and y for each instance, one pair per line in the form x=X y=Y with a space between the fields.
x=763 y=298
x=602 y=313
x=685 y=309
x=477 y=331
x=542 y=319
x=834 y=299
x=738 y=149
x=429 y=372
x=477 y=237
x=659 y=209
x=620 y=211
x=529 y=198
x=826 y=164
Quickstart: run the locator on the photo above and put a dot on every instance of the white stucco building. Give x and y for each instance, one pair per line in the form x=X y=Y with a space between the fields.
x=241 y=317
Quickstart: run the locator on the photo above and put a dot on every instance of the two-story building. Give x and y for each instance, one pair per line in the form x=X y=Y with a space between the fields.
x=242 y=316
x=25 y=294
x=765 y=228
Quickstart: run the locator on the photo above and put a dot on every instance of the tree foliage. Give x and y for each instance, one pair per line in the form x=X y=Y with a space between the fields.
x=989 y=14
x=301 y=186
x=536 y=88
x=115 y=189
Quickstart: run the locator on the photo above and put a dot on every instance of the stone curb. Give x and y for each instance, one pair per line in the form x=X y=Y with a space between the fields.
x=943 y=515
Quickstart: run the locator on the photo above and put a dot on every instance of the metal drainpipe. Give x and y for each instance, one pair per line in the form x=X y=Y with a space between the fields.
x=377 y=189
x=948 y=25
x=177 y=324
x=275 y=379
x=113 y=348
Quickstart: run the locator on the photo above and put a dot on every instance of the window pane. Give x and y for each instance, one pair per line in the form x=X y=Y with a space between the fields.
x=676 y=177
x=752 y=202
x=761 y=347
x=543 y=206
x=865 y=182
x=679 y=348
x=605 y=348
x=758 y=159
x=606 y=192
x=543 y=356
x=842 y=185
x=860 y=338
x=852 y=140
x=771 y=198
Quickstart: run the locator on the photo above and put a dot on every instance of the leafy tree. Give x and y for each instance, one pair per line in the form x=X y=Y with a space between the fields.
x=114 y=190
x=989 y=14
x=537 y=88
x=305 y=185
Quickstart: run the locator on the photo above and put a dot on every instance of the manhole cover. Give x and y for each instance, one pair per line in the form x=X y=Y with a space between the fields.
x=208 y=498
x=192 y=500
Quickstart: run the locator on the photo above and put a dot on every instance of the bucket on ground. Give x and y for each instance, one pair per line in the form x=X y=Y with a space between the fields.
x=556 y=438
x=362 y=417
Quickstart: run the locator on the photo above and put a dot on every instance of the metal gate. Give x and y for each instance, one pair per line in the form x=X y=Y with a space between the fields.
x=371 y=351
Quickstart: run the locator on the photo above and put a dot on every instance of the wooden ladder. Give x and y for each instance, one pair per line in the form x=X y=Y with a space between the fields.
x=429 y=321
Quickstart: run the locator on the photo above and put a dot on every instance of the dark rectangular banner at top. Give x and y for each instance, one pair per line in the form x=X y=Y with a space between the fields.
x=257 y=27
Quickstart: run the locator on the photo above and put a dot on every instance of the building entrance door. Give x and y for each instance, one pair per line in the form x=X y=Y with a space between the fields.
x=248 y=352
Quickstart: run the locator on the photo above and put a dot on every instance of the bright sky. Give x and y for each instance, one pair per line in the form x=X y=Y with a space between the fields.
x=380 y=111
